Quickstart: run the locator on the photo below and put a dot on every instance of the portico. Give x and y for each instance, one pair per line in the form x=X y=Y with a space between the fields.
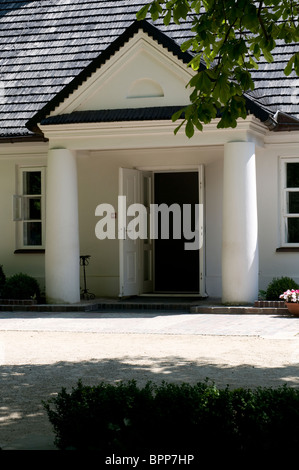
x=239 y=258
x=119 y=116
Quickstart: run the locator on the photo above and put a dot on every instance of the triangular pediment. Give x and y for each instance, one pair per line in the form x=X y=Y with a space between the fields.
x=142 y=69
x=142 y=73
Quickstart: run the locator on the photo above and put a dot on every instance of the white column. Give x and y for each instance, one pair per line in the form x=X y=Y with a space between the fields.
x=240 y=229
x=62 y=228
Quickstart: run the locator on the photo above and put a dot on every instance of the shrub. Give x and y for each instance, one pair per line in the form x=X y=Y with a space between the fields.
x=278 y=286
x=175 y=419
x=2 y=279
x=21 y=286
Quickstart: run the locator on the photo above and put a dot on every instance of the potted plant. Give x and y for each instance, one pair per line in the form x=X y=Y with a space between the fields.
x=291 y=298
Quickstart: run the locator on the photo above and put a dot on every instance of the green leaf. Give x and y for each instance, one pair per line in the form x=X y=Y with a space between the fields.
x=296 y=63
x=244 y=79
x=289 y=66
x=167 y=18
x=202 y=82
x=212 y=74
x=155 y=10
x=207 y=110
x=195 y=62
x=227 y=120
x=187 y=44
x=180 y=10
x=177 y=114
x=194 y=80
x=238 y=49
x=268 y=56
x=222 y=89
x=255 y=48
x=252 y=63
x=196 y=5
x=178 y=128
x=141 y=14
x=238 y=107
x=197 y=123
x=189 y=129
x=193 y=96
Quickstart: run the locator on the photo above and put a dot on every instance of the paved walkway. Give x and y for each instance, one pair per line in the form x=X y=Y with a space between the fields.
x=157 y=322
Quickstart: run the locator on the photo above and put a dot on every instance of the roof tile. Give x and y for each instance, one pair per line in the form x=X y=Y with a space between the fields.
x=46 y=44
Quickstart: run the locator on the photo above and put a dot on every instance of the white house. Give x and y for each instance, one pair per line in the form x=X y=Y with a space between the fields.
x=87 y=95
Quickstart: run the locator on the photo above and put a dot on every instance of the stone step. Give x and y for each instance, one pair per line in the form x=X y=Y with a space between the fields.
x=259 y=307
x=240 y=310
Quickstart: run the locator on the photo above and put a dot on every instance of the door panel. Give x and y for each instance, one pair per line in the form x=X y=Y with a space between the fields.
x=176 y=269
x=129 y=186
x=147 y=244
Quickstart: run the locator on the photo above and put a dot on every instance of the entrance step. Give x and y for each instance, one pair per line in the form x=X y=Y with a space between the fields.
x=150 y=304
x=259 y=307
x=240 y=310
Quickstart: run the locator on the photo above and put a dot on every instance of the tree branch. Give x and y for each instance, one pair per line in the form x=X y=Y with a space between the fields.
x=261 y=20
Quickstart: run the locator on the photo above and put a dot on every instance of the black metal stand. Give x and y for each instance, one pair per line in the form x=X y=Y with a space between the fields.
x=85 y=294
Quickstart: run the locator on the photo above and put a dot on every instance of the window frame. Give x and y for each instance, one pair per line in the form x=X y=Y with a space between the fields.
x=285 y=215
x=19 y=207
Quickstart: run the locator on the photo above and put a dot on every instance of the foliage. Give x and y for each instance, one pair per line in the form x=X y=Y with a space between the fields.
x=175 y=418
x=2 y=278
x=262 y=294
x=279 y=285
x=21 y=286
x=227 y=40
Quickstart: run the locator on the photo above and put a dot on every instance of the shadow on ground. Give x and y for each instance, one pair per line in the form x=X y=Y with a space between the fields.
x=23 y=387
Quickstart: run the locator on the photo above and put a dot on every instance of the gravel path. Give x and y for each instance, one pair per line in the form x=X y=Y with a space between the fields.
x=41 y=353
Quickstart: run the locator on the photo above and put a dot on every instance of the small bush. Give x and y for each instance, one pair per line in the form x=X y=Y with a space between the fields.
x=21 y=286
x=175 y=418
x=278 y=286
x=2 y=279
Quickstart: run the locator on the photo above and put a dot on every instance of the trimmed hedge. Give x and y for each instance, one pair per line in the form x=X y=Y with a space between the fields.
x=2 y=279
x=278 y=286
x=20 y=286
x=175 y=418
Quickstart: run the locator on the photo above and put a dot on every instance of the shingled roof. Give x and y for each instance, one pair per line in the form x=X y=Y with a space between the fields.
x=47 y=44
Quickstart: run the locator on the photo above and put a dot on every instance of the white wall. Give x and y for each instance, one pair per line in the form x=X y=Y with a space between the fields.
x=11 y=157
x=272 y=263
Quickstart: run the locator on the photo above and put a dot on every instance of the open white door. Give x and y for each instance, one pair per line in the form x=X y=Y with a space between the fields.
x=136 y=255
x=129 y=256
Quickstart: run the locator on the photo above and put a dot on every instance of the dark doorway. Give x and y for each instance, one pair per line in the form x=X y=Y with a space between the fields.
x=176 y=270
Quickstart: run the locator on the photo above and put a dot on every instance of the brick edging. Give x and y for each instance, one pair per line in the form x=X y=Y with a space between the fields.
x=18 y=302
x=269 y=303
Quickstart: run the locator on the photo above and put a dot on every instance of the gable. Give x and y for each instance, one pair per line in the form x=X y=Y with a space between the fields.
x=140 y=74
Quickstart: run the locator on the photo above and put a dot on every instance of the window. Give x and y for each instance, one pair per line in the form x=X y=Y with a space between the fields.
x=290 y=202
x=29 y=208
